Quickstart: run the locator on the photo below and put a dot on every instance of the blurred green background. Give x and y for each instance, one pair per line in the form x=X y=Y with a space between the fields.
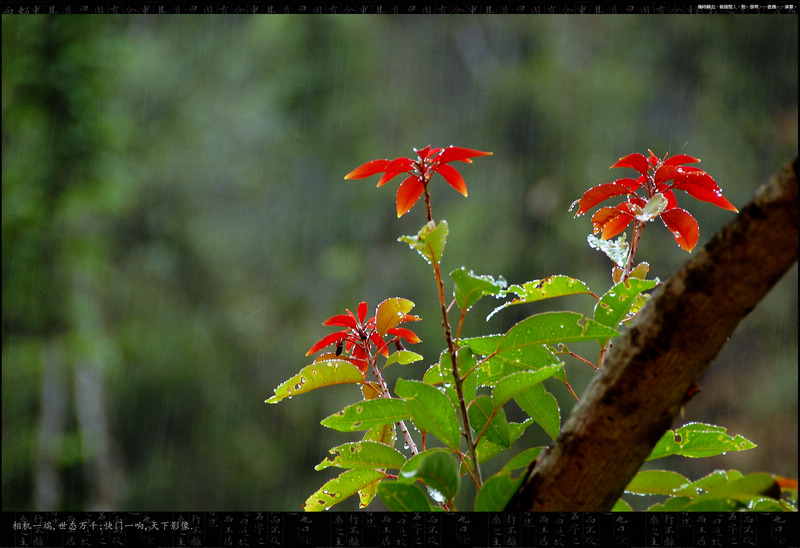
x=176 y=225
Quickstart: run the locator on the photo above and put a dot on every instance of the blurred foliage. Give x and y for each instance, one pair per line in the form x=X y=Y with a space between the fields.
x=174 y=214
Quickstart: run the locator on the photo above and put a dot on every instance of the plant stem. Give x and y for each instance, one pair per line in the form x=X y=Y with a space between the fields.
x=451 y=349
x=638 y=226
x=385 y=393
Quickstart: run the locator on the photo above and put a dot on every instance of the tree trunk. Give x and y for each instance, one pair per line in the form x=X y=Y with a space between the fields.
x=647 y=374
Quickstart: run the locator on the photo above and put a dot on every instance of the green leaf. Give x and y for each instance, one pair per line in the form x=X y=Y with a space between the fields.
x=523 y=459
x=505 y=362
x=616 y=250
x=441 y=373
x=655 y=206
x=497 y=491
x=698 y=440
x=656 y=482
x=366 y=414
x=438 y=470
x=382 y=433
x=431 y=410
x=621 y=506
x=542 y=406
x=367 y=494
x=429 y=241
x=364 y=454
x=612 y=307
x=734 y=494
x=482 y=414
x=552 y=328
x=524 y=346
x=469 y=287
x=390 y=313
x=537 y=290
x=339 y=488
x=487 y=450
x=317 y=375
x=514 y=384
x=401 y=497
x=403 y=357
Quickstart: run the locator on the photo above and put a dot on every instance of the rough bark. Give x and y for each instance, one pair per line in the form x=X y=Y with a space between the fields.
x=645 y=378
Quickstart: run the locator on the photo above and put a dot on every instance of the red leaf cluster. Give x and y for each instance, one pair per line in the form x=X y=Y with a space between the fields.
x=656 y=177
x=355 y=343
x=420 y=171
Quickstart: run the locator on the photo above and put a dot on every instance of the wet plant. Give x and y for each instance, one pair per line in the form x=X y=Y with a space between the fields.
x=458 y=407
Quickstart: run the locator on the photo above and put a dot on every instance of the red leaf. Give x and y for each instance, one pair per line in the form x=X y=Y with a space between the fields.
x=680 y=159
x=370 y=168
x=683 y=226
x=453 y=177
x=611 y=221
x=362 y=311
x=631 y=184
x=665 y=173
x=407 y=334
x=379 y=343
x=327 y=341
x=599 y=193
x=388 y=176
x=615 y=225
x=341 y=319
x=452 y=154
x=424 y=153
x=407 y=194
x=636 y=161
x=702 y=186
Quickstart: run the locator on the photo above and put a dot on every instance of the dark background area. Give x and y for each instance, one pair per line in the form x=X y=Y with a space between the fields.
x=176 y=225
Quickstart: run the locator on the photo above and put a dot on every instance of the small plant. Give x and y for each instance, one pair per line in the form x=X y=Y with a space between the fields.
x=460 y=401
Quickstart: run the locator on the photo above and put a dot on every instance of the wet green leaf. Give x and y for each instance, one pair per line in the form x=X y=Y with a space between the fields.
x=403 y=357
x=553 y=328
x=339 y=488
x=429 y=241
x=515 y=384
x=485 y=417
x=317 y=375
x=438 y=470
x=382 y=433
x=507 y=361
x=542 y=406
x=364 y=454
x=390 y=313
x=698 y=440
x=402 y=497
x=487 y=450
x=656 y=482
x=431 y=410
x=612 y=307
x=497 y=491
x=469 y=287
x=523 y=459
x=621 y=506
x=727 y=492
x=537 y=290
x=441 y=373
x=367 y=414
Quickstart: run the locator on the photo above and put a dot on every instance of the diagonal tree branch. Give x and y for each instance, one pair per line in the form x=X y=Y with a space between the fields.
x=646 y=376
